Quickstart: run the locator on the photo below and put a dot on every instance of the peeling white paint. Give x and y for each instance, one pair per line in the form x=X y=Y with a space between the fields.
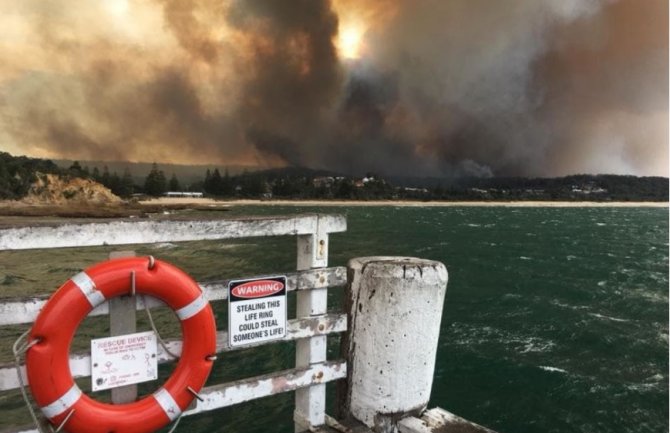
x=310 y=403
x=148 y=232
x=438 y=420
x=396 y=308
x=219 y=396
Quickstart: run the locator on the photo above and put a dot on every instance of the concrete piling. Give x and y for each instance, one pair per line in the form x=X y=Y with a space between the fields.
x=394 y=307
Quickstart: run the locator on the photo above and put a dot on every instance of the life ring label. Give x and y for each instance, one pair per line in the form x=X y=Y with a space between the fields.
x=123 y=360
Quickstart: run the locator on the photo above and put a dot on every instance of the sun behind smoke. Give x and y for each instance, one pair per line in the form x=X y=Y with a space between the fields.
x=349 y=42
x=117 y=8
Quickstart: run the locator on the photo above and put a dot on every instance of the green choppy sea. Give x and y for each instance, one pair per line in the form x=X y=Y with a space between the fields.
x=555 y=319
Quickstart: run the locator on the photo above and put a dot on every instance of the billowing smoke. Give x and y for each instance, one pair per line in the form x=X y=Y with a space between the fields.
x=523 y=87
x=459 y=87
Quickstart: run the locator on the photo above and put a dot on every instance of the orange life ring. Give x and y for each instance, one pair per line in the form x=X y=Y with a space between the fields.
x=47 y=361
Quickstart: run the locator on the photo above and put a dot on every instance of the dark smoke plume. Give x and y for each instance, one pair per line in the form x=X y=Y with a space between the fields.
x=458 y=87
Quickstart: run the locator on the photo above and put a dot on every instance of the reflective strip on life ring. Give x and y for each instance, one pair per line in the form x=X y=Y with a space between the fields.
x=192 y=309
x=47 y=361
x=65 y=402
x=87 y=287
x=167 y=403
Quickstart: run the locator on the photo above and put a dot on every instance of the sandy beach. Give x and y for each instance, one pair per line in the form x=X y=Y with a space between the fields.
x=224 y=203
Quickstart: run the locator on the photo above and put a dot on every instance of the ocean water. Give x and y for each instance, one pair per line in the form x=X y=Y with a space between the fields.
x=555 y=319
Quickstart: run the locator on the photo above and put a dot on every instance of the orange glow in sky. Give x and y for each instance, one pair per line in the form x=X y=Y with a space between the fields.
x=349 y=41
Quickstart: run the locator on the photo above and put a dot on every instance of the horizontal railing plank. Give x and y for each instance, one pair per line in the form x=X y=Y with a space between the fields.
x=25 y=310
x=228 y=394
x=147 y=232
x=80 y=363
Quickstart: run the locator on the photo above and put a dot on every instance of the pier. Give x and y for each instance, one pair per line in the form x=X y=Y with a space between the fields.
x=390 y=326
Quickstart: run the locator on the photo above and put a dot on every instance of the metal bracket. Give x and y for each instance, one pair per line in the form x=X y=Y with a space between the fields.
x=195 y=394
x=132 y=283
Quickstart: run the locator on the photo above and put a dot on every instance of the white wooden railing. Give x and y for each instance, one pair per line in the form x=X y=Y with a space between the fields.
x=309 y=329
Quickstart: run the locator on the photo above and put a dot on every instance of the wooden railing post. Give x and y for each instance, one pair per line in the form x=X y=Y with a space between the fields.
x=394 y=307
x=122 y=320
x=310 y=403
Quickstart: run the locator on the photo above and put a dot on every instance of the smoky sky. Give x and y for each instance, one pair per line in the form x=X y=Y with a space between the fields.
x=430 y=88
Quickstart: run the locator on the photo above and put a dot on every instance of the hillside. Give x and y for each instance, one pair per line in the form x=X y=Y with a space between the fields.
x=36 y=181
x=17 y=174
x=54 y=189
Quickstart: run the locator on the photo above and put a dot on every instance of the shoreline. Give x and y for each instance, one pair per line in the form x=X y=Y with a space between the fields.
x=399 y=203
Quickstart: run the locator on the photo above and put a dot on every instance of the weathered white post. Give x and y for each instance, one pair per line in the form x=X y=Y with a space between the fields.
x=310 y=402
x=122 y=320
x=395 y=307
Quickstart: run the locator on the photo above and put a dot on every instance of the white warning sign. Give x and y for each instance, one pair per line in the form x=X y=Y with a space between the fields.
x=256 y=310
x=123 y=360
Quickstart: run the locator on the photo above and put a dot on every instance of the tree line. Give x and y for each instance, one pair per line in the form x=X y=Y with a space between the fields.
x=155 y=183
x=18 y=173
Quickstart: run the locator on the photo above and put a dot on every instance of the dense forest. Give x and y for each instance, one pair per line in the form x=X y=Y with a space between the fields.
x=17 y=173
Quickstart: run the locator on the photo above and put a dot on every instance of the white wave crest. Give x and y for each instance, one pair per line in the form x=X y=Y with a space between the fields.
x=166 y=245
x=553 y=369
x=614 y=319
